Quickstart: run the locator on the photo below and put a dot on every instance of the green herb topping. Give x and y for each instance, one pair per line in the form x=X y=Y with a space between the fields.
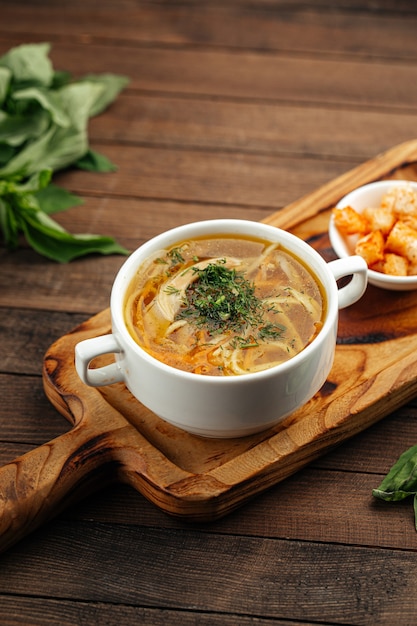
x=176 y=256
x=221 y=299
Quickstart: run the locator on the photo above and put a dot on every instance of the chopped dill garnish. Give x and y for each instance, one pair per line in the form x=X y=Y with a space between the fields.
x=175 y=258
x=244 y=342
x=221 y=299
x=271 y=332
x=171 y=289
x=175 y=255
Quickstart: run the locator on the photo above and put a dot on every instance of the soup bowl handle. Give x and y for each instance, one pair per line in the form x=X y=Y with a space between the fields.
x=89 y=349
x=356 y=267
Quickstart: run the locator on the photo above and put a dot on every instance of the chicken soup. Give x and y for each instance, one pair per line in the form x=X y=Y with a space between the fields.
x=222 y=306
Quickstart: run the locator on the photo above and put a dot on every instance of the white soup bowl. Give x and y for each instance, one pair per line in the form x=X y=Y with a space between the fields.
x=223 y=406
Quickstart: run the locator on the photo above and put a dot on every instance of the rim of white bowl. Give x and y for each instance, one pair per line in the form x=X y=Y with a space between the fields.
x=125 y=274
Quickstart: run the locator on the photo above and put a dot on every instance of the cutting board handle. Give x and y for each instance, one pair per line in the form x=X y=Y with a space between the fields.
x=38 y=485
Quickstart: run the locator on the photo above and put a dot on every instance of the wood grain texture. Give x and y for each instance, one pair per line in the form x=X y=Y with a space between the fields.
x=43 y=612
x=209 y=74
x=316 y=548
x=277 y=128
x=347 y=515
x=236 y=565
x=214 y=177
x=226 y=25
x=114 y=437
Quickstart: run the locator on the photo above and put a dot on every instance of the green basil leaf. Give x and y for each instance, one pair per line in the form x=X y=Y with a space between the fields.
x=51 y=240
x=23 y=204
x=111 y=85
x=29 y=63
x=38 y=180
x=6 y=153
x=59 y=147
x=5 y=78
x=95 y=162
x=53 y=199
x=49 y=100
x=43 y=128
x=60 y=79
x=9 y=224
x=17 y=129
x=55 y=149
x=80 y=100
x=401 y=480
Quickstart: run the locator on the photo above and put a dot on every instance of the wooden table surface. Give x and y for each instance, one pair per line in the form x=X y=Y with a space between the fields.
x=234 y=109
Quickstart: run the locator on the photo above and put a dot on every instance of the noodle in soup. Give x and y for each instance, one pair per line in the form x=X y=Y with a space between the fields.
x=223 y=306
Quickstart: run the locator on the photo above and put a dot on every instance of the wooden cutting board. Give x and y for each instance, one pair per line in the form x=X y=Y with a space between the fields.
x=115 y=438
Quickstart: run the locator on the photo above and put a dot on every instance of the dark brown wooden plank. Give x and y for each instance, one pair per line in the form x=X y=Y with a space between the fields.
x=26 y=415
x=312 y=29
x=24 y=344
x=255 y=180
x=339 y=507
x=361 y=6
x=214 y=572
x=391 y=6
x=83 y=285
x=44 y=612
x=267 y=77
x=275 y=129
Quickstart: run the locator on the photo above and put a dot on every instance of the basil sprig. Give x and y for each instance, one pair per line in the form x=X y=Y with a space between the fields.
x=401 y=480
x=44 y=117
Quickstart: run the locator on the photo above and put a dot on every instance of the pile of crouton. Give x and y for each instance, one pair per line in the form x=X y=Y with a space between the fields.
x=387 y=234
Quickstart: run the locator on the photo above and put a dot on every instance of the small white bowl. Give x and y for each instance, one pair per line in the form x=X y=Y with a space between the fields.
x=369 y=196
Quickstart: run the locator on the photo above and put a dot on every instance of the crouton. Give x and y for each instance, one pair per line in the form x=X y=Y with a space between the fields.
x=410 y=220
x=349 y=221
x=402 y=200
x=371 y=247
x=402 y=240
x=380 y=218
x=395 y=265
